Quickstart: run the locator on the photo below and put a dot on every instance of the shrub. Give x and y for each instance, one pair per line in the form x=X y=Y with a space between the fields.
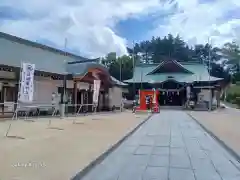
x=236 y=77
x=222 y=98
x=238 y=101
x=230 y=97
x=233 y=98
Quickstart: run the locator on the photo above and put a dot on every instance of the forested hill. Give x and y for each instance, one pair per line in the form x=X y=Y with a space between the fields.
x=223 y=61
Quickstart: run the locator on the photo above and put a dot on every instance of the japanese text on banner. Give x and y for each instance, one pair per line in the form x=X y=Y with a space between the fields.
x=26 y=84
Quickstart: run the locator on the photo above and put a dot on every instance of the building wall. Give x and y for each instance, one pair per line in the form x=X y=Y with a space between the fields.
x=13 y=53
x=43 y=90
x=82 y=85
x=115 y=96
x=204 y=95
x=45 y=87
x=7 y=75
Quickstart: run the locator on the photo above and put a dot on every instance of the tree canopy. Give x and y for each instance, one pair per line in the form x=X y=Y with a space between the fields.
x=169 y=47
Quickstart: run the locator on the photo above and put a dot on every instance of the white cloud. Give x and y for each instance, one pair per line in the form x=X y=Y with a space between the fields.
x=89 y=24
x=195 y=22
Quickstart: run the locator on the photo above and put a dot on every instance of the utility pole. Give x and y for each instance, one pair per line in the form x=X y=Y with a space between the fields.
x=63 y=93
x=209 y=76
x=141 y=75
x=120 y=71
x=120 y=79
x=133 y=59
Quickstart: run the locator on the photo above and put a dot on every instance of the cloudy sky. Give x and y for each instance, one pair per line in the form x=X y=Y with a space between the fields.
x=96 y=27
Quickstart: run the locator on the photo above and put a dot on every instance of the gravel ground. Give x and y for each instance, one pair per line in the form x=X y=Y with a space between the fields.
x=61 y=151
x=225 y=124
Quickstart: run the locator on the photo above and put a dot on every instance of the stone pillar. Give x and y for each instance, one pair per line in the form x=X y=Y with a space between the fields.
x=62 y=110
x=63 y=97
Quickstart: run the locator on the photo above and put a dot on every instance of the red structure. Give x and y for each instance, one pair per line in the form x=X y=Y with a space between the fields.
x=142 y=99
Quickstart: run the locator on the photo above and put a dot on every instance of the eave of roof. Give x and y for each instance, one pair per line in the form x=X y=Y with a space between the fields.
x=117 y=82
x=80 y=68
x=179 y=77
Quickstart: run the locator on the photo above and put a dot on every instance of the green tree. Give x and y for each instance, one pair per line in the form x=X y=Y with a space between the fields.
x=109 y=59
x=158 y=49
x=180 y=50
x=123 y=63
x=231 y=51
x=169 y=47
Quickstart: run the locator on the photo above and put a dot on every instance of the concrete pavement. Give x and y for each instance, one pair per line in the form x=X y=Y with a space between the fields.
x=169 y=146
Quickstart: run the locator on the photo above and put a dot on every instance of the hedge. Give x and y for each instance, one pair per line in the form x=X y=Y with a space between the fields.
x=236 y=78
x=238 y=101
x=233 y=94
x=233 y=98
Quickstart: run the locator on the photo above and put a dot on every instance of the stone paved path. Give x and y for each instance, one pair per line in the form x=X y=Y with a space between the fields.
x=170 y=146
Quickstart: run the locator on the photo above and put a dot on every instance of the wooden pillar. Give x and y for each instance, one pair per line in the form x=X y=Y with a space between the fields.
x=2 y=97
x=74 y=95
x=89 y=108
x=104 y=100
x=17 y=86
x=107 y=105
x=85 y=100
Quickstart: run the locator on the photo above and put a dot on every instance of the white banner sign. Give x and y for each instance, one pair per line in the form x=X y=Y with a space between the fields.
x=26 y=83
x=96 y=88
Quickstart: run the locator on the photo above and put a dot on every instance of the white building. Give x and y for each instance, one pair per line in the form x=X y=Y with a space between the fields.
x=51 y=67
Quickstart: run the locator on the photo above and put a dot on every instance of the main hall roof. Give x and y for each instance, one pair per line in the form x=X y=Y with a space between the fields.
x=187 y=72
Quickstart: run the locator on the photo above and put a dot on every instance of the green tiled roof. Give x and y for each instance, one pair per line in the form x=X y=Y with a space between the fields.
x=199 y=73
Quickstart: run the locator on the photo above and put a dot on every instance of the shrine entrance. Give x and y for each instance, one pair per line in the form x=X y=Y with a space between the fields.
x=172 y=93
x=172 y=98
